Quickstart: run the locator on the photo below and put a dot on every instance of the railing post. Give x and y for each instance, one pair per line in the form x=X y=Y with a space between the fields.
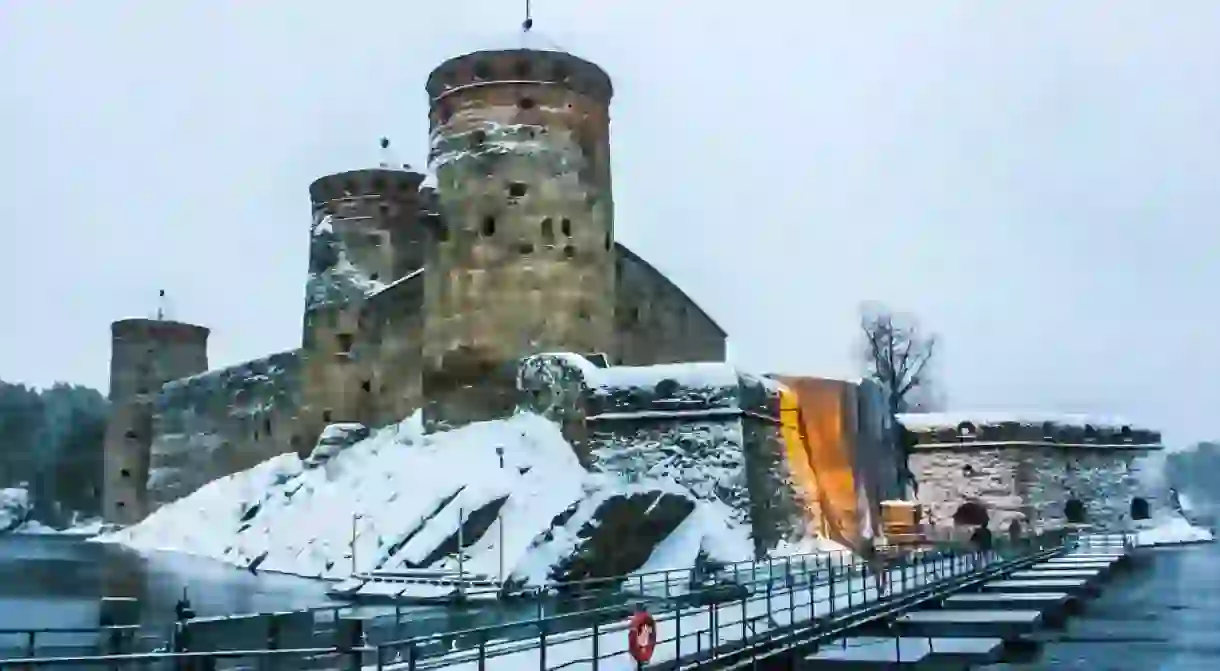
x=830 y=571
x=678 y=632
x=482 y=649
x=541 y=644
x=597 y=639
x=412 y=655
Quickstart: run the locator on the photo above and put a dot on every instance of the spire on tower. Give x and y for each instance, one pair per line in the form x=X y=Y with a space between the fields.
x=529 y=18
x=161 y=305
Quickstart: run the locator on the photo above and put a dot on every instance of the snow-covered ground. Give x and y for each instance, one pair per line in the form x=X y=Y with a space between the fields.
x=1172 y=530
x=394 y=500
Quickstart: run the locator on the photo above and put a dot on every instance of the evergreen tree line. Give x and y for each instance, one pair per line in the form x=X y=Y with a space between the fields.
x=51 y=444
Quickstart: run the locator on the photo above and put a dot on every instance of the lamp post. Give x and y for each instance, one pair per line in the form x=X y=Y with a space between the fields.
x=500 y=523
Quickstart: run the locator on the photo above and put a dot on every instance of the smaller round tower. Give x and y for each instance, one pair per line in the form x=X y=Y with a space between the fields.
x=144 y=355
x=366 y=234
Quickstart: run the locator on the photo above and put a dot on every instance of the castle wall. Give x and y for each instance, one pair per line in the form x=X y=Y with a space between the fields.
x=702 y=426
x=388 y=351
x=655 y=321
x=524 y=259
x=1033 y=483
x=210 y=425
x=145 y=353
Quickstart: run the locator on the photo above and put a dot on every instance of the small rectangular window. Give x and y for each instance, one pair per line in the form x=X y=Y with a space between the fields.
x=345 y=342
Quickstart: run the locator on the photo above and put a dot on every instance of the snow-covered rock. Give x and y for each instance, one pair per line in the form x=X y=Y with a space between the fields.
x=14 y=508
x=397 y=499
x=1172 y=530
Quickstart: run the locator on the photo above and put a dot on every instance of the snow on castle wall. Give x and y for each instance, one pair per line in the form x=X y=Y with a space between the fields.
x=703 y=426
x=1044 y=470
x=210 y=425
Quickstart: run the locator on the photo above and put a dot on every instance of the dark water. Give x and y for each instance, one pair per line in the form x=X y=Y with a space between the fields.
x=1163 y=613
x=56 y=582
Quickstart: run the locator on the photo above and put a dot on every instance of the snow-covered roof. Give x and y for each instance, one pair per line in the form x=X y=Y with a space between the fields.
x=933 y=421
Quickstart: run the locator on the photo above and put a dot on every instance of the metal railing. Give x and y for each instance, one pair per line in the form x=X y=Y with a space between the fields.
x=702 y=616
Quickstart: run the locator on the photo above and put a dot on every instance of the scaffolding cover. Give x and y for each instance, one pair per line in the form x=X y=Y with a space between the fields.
x=839 y=440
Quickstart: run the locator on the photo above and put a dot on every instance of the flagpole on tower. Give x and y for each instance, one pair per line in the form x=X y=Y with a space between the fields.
x=529 y=18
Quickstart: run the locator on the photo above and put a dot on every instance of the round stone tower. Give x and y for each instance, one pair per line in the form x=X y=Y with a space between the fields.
x=366 y=233
x=523 y=261
x=145 y=354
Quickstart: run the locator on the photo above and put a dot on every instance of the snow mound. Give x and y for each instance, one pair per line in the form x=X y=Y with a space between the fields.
x=14 y=508
x=396 y=499
x=1174 y=530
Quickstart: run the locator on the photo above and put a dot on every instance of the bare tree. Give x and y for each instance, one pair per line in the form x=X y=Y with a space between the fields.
x=897 y=354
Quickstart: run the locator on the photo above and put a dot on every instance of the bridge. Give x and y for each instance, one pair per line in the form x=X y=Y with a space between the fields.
x=950 y=605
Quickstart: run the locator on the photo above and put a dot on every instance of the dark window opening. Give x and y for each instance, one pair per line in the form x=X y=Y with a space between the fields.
x=971 y=513
x=569 y=251
x=442 y=232
x=1048 y=430
x=966 y=430
x=446 y=113
x=141 y=390
x=1140 y=510
x=126 y=473
x=633 y=315
x=548 y=230
x=255 y=434
x=525 y=248
x=375 y=276
x=132 y=435
x=967 y=470
x=120 y=504
x=517 y=189
x=1074 y=511
x=1090 y=432
x=666 y=388
x=326 y=415
x=608 y=241
x=566 y=226
x=1125 y=433
x=366 y=386
x=267 y=427
x=345 y=342
x=478 y=137
x=489 y=226
x=526 y=103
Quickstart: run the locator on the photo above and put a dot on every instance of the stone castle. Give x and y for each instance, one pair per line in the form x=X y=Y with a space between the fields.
x=418 y=293
x=502 y=288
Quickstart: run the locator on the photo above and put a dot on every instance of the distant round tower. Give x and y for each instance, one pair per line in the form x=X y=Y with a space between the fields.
x=145 y=354
x=366 y=234
x=524 y=260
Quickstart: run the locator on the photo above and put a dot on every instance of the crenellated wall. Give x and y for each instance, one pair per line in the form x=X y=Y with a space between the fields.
x=210 y=425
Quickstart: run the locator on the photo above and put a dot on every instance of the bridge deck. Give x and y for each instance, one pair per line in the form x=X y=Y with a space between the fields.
x=905 y=652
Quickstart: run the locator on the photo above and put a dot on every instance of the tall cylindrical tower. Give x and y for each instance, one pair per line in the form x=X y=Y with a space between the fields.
x=366 y=234
x=524 y=257
x=145 y=354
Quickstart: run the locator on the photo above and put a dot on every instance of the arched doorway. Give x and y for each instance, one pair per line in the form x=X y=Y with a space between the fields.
x=1014 y=530
x=1140 y=510
x=1074 y=511
x=971 y=513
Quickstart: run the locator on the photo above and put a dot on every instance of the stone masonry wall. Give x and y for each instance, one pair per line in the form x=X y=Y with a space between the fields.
x=214 y=424
x=656 y=322
x=1036 y=481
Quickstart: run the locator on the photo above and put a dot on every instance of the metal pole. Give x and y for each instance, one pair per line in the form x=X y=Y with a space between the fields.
x=354 y=543
x=500 y=516
x=461 y=557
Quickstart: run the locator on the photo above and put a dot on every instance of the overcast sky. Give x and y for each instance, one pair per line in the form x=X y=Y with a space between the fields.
x=1037 y=181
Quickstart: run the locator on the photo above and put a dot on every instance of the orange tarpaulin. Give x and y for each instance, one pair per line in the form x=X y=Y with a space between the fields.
x=822 y=432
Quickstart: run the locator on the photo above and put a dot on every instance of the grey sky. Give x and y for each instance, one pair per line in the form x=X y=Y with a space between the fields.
x=1036 y=180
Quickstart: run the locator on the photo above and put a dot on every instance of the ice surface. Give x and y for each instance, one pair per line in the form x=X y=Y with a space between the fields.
x=1173 y=530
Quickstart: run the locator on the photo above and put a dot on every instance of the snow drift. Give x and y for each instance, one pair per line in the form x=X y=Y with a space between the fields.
x=395 y=500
